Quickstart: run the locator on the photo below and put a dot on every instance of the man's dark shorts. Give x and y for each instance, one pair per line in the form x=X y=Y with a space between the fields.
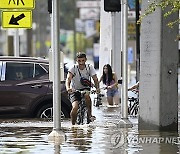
x=76 y=96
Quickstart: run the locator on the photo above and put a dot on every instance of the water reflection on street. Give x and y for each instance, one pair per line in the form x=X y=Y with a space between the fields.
x=100 y=137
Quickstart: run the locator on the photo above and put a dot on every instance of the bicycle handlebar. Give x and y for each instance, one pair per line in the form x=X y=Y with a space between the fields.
x=132 y=99
x=89 y=91
x=86 y=91
x=134 y=90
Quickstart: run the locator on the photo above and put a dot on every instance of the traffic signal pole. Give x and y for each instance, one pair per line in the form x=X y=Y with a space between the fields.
x=56 y=135
x=124 y=61
x=117 y=6
x=116 y=46
x=124 y=122
x=113 y=40
x=137 y=41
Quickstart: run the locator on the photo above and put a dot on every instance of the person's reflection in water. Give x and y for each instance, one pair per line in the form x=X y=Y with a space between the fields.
x=81 y=138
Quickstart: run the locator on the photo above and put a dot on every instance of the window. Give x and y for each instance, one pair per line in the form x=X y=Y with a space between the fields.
x=0 y=69
x=19 y=71
x=40 y=70
x=3 y=70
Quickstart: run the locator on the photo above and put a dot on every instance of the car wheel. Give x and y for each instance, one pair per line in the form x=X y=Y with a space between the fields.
x=46 y=112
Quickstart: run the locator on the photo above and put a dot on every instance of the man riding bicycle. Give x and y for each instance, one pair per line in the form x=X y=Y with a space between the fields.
x=79 y=78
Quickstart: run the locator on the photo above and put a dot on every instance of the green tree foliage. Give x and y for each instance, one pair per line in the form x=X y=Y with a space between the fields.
x=174 y=6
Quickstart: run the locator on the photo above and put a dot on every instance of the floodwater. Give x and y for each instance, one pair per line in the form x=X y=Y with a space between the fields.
x=103 y=136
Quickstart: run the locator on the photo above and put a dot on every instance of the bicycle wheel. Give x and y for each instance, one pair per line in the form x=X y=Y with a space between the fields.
x=99 y=99
x=128 y=110
x=95 y=102
x=82 y=115
x=136 y=107
x=134 y=110
x=131 y=108
x=137 y=110
x=78 y=121
x=85 y=117
x=130 y=105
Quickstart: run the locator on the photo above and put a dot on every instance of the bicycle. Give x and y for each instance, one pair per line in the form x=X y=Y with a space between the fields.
x=82 y=114
x=133 y=105
x=98 y=100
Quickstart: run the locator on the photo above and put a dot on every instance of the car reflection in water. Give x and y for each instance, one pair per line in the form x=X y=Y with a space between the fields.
x=25 y=89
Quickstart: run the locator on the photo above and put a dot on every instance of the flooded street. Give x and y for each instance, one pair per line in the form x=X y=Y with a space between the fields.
x=31 y=136
x=103 y=136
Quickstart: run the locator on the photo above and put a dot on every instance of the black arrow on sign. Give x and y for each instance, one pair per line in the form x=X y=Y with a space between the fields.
x=14 y=21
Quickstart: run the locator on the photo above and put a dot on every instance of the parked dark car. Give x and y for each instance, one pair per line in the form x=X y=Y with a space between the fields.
x=25 y=89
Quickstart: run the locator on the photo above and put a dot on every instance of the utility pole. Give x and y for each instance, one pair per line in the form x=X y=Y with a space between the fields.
x=116 y=46
x=29 y=42
x=56 y=134
x=137 y=41
x=124 y=122
x=74 y=31
x=10 y=46
x=16 y=43
x=124 y=62
x=113 y=7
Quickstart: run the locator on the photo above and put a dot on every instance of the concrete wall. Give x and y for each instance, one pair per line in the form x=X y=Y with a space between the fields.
x=158 y=73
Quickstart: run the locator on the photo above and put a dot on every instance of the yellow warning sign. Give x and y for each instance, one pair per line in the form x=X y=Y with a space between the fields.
x=17 y=4
x=17 y=19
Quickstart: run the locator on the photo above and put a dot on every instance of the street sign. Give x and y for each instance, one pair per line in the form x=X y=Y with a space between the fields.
x=17 y=4
x=17 y=19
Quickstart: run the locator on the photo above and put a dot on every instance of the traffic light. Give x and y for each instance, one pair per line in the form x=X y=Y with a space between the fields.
x=112 y=5
x=50 y=6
